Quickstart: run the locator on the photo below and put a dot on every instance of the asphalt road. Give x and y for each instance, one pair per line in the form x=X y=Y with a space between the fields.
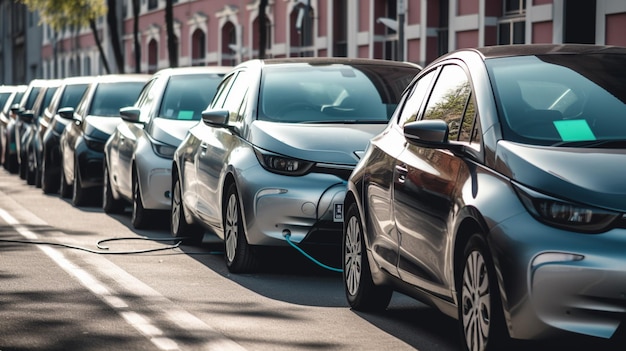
x=60 y=291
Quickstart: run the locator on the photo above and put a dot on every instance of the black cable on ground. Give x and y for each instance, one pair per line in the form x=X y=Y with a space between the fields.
x=104 y=250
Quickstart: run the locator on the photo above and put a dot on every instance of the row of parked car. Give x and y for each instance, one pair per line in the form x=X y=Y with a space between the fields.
x=488 y=184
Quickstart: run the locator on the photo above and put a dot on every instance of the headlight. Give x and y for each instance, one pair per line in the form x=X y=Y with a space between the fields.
x=283 y=165
x=565 y=214
x=163 y=150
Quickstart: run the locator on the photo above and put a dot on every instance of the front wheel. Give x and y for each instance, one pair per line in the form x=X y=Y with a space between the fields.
x=240 y=256
x=78 y=192
x=480 y=309
x=64 y=189
x=361 y=292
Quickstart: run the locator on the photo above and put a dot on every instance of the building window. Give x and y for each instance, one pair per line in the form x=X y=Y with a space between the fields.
x=511 y=32
x=386 y=14
x=153 y=58
x=302 y=33
x=340 y=28
x=514 y=7
x=198 y=48
x=153 y=4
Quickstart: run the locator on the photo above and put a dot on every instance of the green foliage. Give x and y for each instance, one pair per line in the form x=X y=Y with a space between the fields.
x=61 y=13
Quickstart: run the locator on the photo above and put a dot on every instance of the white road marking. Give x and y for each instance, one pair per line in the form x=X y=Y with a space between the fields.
x=141 y=323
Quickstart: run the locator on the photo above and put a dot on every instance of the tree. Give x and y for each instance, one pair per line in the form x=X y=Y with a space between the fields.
x=172 y=40
x=61 y=14
x=115 y=35
x=262 y=28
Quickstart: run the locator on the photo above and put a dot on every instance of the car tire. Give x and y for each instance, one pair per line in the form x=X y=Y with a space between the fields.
x=140 y=216
x=30 y=169
x=239 y=255
x=110 y=204
x=22 y=166
x=180 y=227
x=78 y=192
x=481 y=319
x=361 y=292
x=64 y=189
x=49 y=185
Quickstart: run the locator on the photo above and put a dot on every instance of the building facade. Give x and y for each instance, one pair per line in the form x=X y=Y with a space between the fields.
x=20 y=44
x=226 y=32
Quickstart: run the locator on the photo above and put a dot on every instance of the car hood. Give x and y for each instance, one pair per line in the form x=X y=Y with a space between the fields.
x=101 y=127
x=330 y=143
x=169 y=131
x=591 y=176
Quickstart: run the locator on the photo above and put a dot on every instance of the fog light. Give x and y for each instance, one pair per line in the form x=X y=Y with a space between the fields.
x=167 y=194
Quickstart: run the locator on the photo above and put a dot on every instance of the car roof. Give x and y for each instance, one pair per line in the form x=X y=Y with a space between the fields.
x=330 y=61
x=194 y=70
x=541 y=49
x=129 y=77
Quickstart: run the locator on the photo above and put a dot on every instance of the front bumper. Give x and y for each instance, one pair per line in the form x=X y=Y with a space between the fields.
x=557 y=281
x=309 y=207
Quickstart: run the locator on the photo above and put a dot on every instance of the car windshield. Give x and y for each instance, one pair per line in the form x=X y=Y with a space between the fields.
x=3 y=98
x=331 y=93
x=186 y=96
x=572 y=100
x=72 y=95
x=110 y=97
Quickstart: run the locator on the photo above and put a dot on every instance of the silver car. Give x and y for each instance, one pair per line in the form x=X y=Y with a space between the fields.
x=271 y=157
x=497 y=195
x=138 y=154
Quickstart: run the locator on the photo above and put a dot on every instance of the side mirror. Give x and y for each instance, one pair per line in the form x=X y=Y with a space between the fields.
x=431 y=134
x=130 y=114
x=66 y=113
x=215 y=118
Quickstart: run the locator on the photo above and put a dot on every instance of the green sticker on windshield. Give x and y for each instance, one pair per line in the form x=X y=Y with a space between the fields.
x=574 y=130
x=184 y=114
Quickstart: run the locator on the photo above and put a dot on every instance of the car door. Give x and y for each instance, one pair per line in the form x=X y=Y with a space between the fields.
x=426 y=186
x=124 y=142
x=216 y=148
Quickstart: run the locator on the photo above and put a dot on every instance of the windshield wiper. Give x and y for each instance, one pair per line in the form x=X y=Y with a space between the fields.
x=607 y=144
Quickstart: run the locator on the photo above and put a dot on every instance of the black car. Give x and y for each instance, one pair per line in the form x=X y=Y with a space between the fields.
x=51 y=125
x=28 y=139
x=15 y=94
x=95 y=118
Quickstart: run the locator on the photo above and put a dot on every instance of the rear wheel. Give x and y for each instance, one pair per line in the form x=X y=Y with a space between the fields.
x=480 y=309
x=240 y=256
x=179 y=226
x=140 y=216
x=361 y=292
x=49 y=183
x=110 y=204
x=64 y=189
x=78 y=192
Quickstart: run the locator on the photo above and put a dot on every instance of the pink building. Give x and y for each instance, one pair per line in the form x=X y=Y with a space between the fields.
x=226 y=32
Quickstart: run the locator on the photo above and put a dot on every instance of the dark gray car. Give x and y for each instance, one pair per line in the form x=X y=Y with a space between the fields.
x=497 y=195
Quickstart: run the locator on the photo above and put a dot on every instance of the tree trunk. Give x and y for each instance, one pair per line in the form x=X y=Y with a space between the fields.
x=115 y=35
x=136 y=36
x=262 y=28
x=96 y=37
x=172 y=41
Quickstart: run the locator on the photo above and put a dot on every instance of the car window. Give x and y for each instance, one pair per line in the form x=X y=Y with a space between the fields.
x=32 y=96
x=332 y=93
x=236 y=96
x=110 y=97
x=49 y=93
x=451 y=100
x=222 y=91
x=415 y=98
x=555 y=99
x=71 y=95
x=3 y=98
x=186 y=96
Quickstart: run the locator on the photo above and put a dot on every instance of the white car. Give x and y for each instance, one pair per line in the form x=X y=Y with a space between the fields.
x=138 y=154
